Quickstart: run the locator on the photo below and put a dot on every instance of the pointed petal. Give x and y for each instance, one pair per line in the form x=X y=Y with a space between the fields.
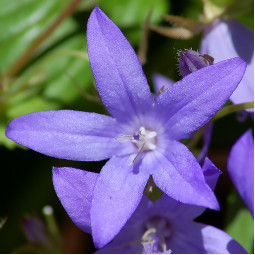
x=211 y=173
x=241 y=168
x=178 y=174
x=226 y=39
x=176 y=210
x=118 y=73
x=74 y=188
x=190 y=103
x=117 y=194
x=160 y=81
x=192 y=237
x=67 y=134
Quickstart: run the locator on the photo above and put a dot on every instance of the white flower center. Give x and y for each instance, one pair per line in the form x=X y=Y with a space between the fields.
x=147 y=138
x=144 y=140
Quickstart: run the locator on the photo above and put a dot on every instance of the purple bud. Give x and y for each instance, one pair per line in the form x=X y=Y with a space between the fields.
x=35 y=231
x=190 y=61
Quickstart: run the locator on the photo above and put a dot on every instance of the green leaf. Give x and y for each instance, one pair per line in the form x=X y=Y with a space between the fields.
x=240 y=223
x=21 y=22
x=131 y=14
x=44 y=84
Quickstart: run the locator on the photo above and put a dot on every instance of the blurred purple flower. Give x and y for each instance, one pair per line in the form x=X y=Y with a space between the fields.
x=161 y=227
x=36 y=231
x=226 y=39
x=241 y=168
x=161 y=82
x=142 y=138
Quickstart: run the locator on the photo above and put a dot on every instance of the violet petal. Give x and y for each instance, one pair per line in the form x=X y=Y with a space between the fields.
x=200 y=238
x=74 y=188
x=117 y=193
x=226 y=39
x=67 y=134
x=190 y=103
x=178 y=174
x=118 y=73
x=241 y=168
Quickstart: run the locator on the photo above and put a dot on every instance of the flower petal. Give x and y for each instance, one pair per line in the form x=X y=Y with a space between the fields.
x=241 y=168
x=226 y=39
x=67 y=134
x=74 y=188
x=178 y=174
x=185 y=211
x=190 y=103
x=192 y=237
x=117 y=193
x=118 y=73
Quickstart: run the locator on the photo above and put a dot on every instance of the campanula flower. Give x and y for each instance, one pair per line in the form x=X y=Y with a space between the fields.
x=164 y=226
x=225 y=39
x=241 y=168
x=141 y=137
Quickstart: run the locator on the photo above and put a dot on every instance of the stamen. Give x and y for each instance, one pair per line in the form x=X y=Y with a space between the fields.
x=148 y=232
x=143 y=139
x=140 y=150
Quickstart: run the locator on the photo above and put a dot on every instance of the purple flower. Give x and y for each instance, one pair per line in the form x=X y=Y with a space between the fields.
x=241 y=168
x=161 y=227
x=36 y=231
x=142 y=136
x=226 y=39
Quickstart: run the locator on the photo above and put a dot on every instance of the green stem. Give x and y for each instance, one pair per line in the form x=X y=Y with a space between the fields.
x=50 y=220
x=232 y=108
x=222 y=113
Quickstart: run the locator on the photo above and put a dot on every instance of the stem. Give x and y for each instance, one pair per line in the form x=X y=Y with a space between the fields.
x=143 y=48
x=232 y=108
x=50 y=220
x=222 y=113
x=82 y=92
x=22 y=61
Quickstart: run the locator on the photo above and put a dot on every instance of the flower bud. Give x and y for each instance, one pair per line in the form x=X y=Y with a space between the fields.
x=35 y=230
x=190 y=61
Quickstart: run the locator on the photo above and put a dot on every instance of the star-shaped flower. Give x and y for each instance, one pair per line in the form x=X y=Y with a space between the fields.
x=163 y=226
x=142 y=136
